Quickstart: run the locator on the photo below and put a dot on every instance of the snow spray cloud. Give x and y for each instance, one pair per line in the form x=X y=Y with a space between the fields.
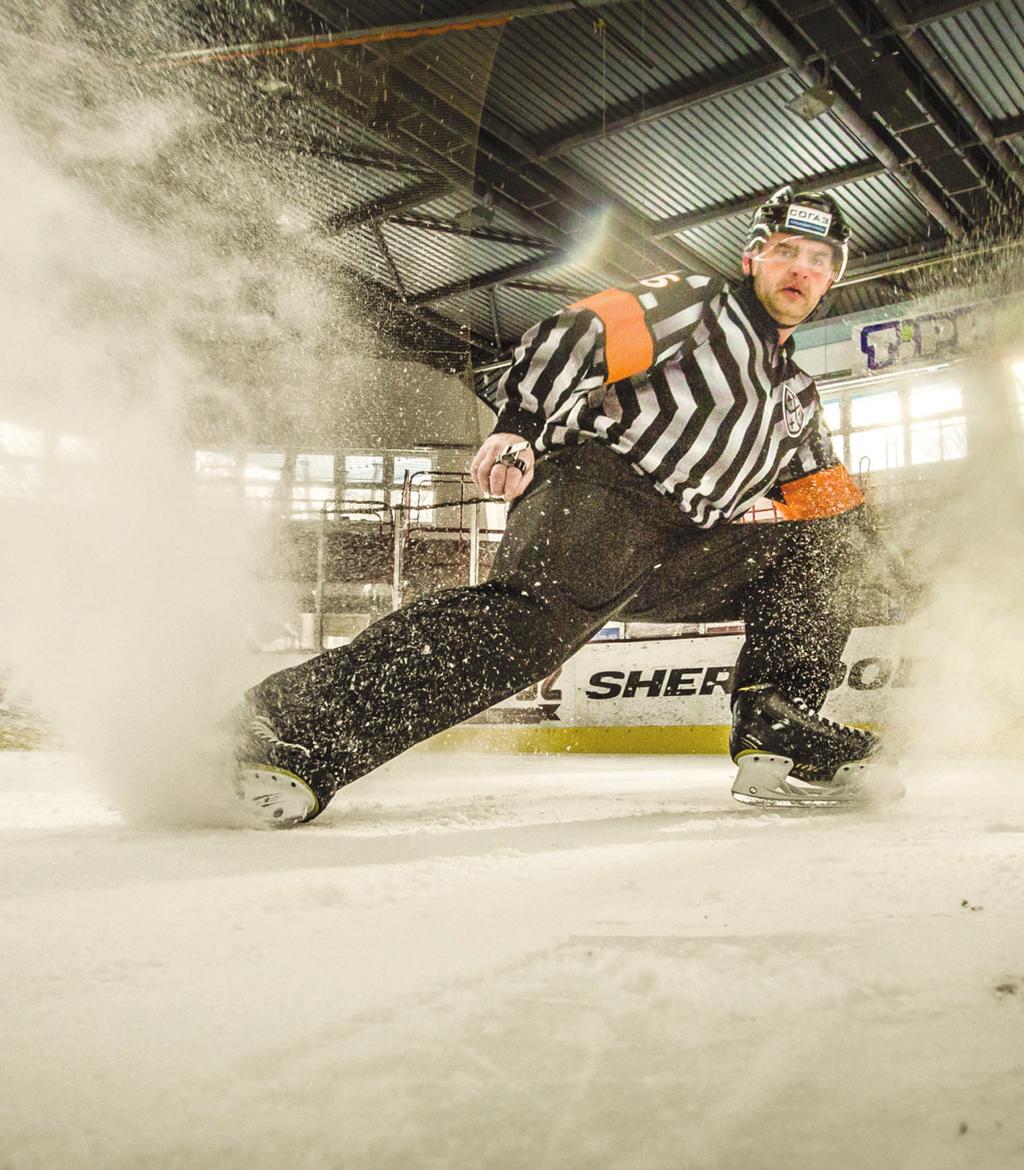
x=966 y=543
x=126 y=292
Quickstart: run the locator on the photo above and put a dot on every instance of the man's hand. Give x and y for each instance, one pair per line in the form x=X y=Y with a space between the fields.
x=498 y=478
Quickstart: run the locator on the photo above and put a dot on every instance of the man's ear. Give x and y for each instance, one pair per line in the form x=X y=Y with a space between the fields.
x=748 y=264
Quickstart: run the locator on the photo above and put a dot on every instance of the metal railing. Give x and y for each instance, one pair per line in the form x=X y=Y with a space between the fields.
x=380 y=512
x=403 y=519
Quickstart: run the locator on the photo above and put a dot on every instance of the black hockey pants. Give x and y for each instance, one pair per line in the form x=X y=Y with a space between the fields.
x=590 y=539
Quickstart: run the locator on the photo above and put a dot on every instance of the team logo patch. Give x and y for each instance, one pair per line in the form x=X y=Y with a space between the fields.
x=793 y=412
x=808 y=219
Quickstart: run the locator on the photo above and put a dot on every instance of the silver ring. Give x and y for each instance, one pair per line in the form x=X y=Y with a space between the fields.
x=511 y=460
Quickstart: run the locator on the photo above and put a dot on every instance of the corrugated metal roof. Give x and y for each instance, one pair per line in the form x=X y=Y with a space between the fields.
x=357 y=249
x=300 y=146
x=720 y=242
x=854 y=298
x=517 y=312
x=328 y=188
x=566 y=65
x=427 y=260
x=535 y=82
x=882 y=215
x=520 y=308
x=721 y=150
x=448 y=206
x=367 y=13
x=985 y=48
x=546 y=76
x=572 y=72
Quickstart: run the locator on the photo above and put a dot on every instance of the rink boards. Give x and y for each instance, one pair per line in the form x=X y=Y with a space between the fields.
x=654 y=695
x=666 y=695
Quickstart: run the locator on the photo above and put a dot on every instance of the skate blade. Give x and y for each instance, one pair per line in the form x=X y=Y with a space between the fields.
x=273 y=797
x=872 y=783
x=764 y=780
x=787 y=800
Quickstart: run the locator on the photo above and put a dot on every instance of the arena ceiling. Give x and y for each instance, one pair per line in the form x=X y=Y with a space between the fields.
x=476 y=164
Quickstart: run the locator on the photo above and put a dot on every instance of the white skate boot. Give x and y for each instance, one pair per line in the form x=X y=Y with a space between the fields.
x=271 y=776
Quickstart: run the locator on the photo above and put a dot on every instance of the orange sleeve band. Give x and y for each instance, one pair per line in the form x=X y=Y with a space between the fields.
x=628 y=345
x=821 y=494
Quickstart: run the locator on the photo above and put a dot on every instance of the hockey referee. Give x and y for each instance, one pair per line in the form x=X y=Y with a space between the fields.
x=664 y=456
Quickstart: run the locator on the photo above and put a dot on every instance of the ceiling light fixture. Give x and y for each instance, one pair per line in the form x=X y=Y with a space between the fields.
x=813 y=102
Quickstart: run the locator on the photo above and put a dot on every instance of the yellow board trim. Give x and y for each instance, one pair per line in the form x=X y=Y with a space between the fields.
x=640 y=741
x=673 y=740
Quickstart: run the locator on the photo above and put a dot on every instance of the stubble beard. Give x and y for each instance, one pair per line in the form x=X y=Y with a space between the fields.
x=780 y=311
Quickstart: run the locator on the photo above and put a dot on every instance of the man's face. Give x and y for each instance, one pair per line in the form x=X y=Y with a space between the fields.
x=791 y=275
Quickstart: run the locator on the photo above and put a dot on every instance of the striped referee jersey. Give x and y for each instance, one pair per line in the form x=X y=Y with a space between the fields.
x=686 y=378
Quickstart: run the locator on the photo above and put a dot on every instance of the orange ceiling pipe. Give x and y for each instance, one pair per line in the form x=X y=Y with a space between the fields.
x=329 y=41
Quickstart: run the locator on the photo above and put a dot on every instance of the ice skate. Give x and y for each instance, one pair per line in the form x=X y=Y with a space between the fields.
x=272 y=777
x=790 y=757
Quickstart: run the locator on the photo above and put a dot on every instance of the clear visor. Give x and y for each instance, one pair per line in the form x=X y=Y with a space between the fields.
x=812 y=252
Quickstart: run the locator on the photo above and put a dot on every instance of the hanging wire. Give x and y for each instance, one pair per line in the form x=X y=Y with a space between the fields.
x=601 y=28
x=645 y=86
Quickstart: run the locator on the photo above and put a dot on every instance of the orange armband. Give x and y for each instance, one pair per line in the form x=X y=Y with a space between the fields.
x=820 y=494
x=628 y=345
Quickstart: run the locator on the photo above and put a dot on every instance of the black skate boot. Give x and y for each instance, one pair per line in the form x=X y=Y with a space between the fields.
x=275 y=779
x=789 y=756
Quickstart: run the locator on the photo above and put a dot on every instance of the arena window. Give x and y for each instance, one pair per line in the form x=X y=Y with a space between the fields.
x=361 y=485
x=261 y=477
x=876 y=439
x=421 y=492
x=886 y=430
x=217 y=474
x=312 y=485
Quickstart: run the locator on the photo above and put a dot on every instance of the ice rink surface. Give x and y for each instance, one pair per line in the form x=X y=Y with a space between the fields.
x=517 y=962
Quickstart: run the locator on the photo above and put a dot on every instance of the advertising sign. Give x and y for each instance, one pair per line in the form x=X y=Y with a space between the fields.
x=688 y=682
x=909 y=341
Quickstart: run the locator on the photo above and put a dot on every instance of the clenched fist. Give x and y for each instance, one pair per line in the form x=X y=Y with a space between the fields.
x=502 y=479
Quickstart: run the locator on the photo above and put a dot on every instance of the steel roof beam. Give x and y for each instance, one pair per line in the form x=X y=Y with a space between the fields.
x=492 y=302
x=955 y=91
x=324 y=151
x=925 y=255
x=857 y=43
x=378 y=209
x=379 y=295
x=1004 y=128
x=585 y=197
x=932 y=10
x=657 y=105
x=824 y=179
x=335 y=14
x=488 y=279
x=389 y=260
x=890 y=261
x=447 y=227
x=558 y=290
x=854 y=121
x=556 y=209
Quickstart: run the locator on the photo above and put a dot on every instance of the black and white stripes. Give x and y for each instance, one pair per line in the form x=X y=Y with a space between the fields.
x=718 y=415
